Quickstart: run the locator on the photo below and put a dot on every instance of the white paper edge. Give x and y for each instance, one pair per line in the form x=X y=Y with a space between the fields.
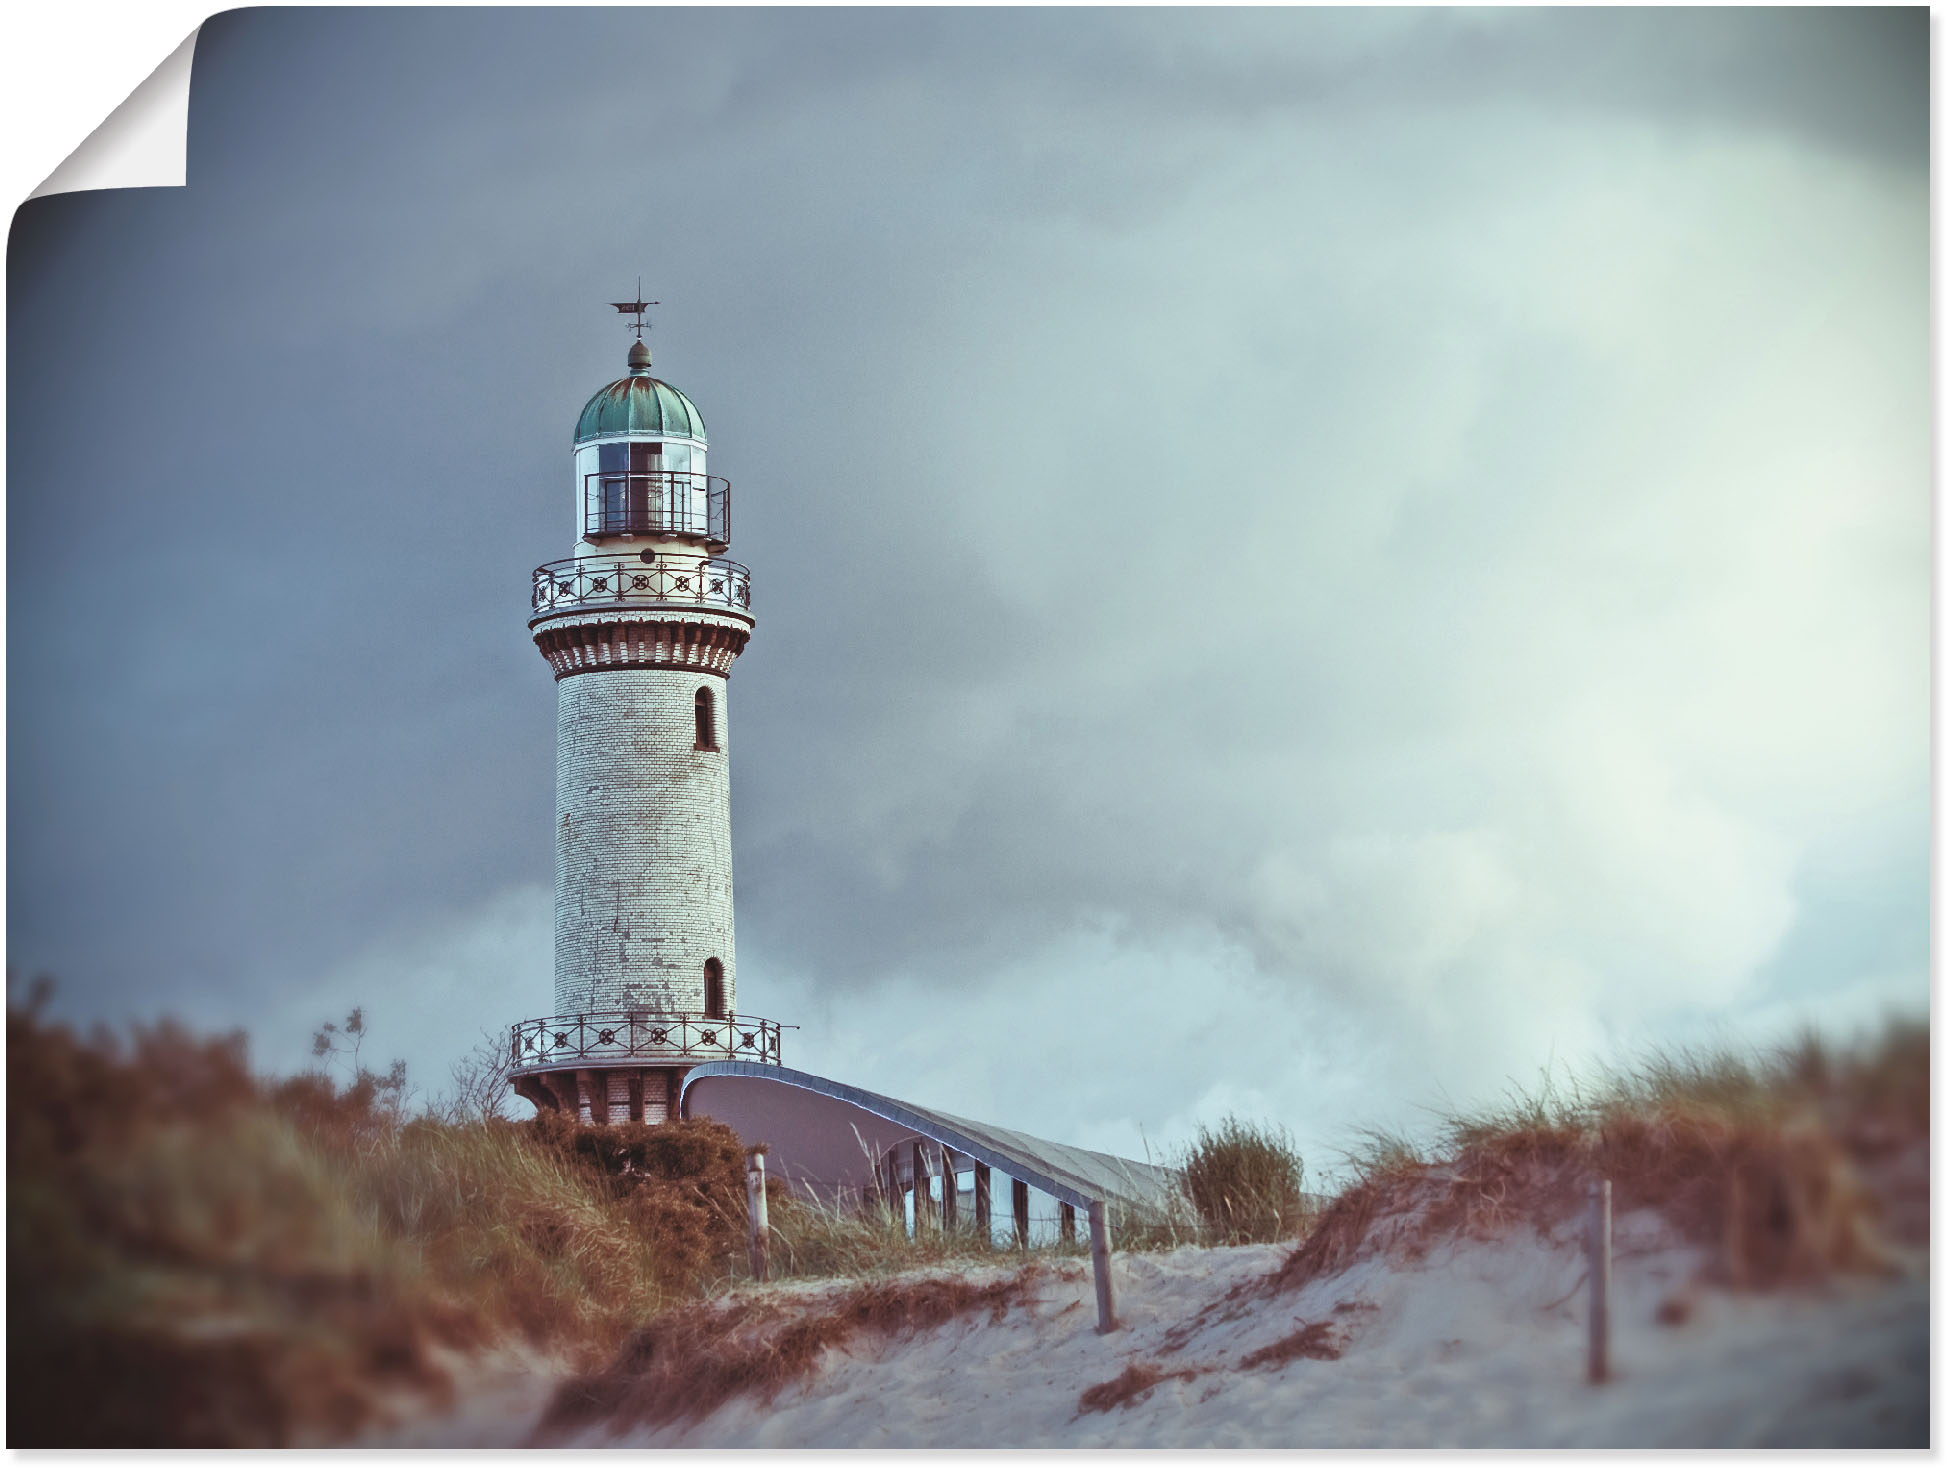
x=144 y=143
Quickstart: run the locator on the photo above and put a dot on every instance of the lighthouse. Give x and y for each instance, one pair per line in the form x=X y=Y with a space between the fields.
x=640 y=626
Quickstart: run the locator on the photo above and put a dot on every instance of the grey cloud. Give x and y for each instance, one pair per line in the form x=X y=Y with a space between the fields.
x=1334 y=507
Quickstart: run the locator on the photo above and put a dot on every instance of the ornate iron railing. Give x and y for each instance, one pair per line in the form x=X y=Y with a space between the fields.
x=603 y=581
x=658 y=502
x=641 y=1035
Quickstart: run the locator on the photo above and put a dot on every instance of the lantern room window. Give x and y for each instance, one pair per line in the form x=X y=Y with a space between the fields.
x=644 y=489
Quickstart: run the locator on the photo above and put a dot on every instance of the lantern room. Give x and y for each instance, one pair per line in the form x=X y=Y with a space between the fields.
x=640 y=467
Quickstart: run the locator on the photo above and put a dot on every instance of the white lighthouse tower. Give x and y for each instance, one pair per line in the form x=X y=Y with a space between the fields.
x=641 y=626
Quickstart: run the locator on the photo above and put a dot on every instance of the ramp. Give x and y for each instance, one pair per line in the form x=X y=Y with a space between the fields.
x=833 y=1140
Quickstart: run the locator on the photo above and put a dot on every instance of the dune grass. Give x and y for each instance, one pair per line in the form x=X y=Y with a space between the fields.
x=1244 y=1182
x=1762 y=1159
x=200 y=1257
x=816 y=1241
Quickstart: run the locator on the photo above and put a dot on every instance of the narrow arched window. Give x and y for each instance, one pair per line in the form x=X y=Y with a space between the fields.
x=714 y=990
x=706 y=720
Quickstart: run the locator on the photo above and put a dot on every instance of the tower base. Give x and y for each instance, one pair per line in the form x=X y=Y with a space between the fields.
x=599 y=1095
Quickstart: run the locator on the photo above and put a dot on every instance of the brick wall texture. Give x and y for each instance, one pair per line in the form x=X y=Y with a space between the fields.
x=643 y=843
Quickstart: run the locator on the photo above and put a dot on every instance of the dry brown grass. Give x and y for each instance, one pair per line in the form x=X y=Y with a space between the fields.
x=1316 y=1340
x=1133 y=1385
x=1760 y=1161
x=1243 y=1180
x=199 y=1258
x=688 y=1362
x=811 y=1240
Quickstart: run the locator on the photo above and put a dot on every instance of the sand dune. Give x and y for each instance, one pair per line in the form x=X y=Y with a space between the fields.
x=1479 y=1344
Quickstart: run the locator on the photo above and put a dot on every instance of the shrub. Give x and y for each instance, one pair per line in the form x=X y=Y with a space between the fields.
x=682 y=1184
x=1244 y=1181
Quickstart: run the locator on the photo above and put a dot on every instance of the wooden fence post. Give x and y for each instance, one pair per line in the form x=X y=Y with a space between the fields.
x=1599 y=1272
x=1067 y=1224
x=918 y=1164
x=1020 y=1212
x=759 y=1242
x=948 y=1190
x=983 y=1204
x=1101 y=1265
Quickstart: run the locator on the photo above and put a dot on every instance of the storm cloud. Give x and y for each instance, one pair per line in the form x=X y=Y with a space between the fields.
x=1307 y=562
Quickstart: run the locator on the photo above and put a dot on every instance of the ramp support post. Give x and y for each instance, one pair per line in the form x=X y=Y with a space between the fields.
x=983 y=1204
x=1101 y=1266
x=759 y=1240
x=1599 y=1275
x=918 y=1171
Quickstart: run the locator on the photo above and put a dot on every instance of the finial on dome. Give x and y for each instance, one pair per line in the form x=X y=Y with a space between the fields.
x=640 y=355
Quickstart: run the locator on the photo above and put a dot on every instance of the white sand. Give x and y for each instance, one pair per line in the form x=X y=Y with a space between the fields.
x=1479 y=1345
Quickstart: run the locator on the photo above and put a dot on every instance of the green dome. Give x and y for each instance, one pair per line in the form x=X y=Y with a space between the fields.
x=640 y=404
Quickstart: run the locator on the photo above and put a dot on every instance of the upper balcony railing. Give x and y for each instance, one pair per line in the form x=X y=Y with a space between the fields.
x=641 y=1035
x=593 y=582
x=658 y=503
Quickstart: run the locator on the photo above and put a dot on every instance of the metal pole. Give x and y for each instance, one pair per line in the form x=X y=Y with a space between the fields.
x=1599 y=1272
x=757 y=1245
x=1101 y=1265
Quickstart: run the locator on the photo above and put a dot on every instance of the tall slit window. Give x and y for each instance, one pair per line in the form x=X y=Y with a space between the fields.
x=705 y=719
x=714 y=989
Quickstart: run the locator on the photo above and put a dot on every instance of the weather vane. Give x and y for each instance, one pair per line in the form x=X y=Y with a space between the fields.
x=636 y=308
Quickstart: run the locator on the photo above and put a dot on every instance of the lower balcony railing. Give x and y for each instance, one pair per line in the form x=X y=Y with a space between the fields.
x=642 y=1035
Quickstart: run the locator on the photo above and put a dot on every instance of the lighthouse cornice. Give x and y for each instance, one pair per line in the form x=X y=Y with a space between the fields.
x=694 y=643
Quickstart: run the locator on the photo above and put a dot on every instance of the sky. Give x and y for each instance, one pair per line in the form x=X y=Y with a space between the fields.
x=1313 y=564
